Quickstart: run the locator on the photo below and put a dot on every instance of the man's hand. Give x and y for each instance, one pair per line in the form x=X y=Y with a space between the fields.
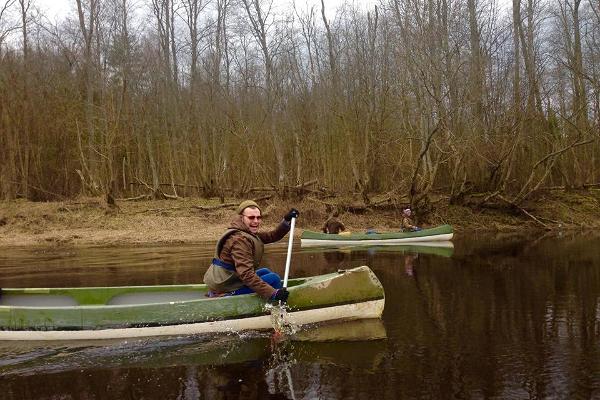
x=280 y=295
x=293 y=213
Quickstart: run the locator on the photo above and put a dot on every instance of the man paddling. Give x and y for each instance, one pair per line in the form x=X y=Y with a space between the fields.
x=235 y=267
x=407 y=224
x=333 y=224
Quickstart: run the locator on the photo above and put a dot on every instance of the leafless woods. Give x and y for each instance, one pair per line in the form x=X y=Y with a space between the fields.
x=217 y=97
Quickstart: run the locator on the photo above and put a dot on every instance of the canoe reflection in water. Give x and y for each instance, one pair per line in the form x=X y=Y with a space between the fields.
x=249 y=365
x=334 y=257
x=317 y=341
x=290 y=362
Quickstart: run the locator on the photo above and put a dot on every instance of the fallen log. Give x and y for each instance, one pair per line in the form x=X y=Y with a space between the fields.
x=171 y=185
x=208 y=208
x=136 y=198
x=353 y=208
x=533 y=217
x=225 y=205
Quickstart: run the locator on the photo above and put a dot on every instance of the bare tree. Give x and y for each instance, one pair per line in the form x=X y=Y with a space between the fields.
x=164 y=12
x=527 y=34
x=88 y=12
x=404 y=99
x=6 y=25
x=259 y=15
x=569 y=16
x=27 y=109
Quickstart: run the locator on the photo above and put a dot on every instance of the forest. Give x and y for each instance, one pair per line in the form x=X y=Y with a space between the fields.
x=215 y=98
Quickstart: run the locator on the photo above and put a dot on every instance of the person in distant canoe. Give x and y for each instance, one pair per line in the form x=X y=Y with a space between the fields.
x=235 y=268
x=333 y=224
x=407 y=223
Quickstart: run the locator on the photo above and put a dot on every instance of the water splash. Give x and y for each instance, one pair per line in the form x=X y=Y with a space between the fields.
x=278 y=375
x=280 y=320
x=279 y=372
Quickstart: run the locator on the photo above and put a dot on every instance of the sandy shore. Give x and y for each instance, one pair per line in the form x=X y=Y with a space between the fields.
x=91 y=222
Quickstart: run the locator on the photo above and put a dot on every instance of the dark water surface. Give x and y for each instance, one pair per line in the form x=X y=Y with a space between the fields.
x=496 y=318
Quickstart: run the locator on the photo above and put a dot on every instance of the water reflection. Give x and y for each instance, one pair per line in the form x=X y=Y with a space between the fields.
x=31 y=358
x=111 y=266
x=216 y=366
x=409 y=263
x=334 y=257
x=500 y=317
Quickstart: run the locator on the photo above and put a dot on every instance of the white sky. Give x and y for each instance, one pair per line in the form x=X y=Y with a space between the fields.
x=55 y=9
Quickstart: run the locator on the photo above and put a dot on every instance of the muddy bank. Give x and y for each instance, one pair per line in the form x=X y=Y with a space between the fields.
x=91 y=221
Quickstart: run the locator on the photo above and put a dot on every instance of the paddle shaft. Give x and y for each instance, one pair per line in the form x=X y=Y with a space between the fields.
x=289 y=253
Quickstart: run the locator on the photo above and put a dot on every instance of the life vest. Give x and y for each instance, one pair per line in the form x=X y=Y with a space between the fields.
x=221 y=276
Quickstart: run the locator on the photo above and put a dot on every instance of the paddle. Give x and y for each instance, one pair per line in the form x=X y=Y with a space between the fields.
x=278 y=313
x=289 y=253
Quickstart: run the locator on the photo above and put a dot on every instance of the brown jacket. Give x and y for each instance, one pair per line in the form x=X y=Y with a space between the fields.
x=243 y=250
x=407 y=225
x=333 y=225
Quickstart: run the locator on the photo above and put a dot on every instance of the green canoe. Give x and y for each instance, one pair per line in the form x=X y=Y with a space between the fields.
x=442 y=233
x=140 y=311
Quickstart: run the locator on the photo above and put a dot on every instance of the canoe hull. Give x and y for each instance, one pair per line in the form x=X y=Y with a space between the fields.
x=427 y=239
x=346 y=312
x=104 y=313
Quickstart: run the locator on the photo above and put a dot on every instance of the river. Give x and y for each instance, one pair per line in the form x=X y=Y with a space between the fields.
x=496 y=317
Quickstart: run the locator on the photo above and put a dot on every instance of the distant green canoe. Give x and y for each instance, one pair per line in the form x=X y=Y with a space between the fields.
x=140 y=311
x=443 y=233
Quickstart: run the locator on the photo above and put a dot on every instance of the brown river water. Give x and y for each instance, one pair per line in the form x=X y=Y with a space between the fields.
x=498 y=317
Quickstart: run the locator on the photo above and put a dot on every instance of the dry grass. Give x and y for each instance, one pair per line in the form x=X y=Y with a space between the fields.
x=88 y=221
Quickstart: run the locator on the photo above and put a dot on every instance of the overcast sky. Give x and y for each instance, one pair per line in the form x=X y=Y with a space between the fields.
x=57 y=8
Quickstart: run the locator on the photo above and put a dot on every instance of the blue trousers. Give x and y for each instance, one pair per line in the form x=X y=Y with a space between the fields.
x=266 y=275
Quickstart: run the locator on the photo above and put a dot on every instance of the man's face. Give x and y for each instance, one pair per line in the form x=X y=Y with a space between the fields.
x=252 y=219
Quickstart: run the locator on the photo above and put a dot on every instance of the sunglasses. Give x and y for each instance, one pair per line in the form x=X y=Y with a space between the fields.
x=253 y=217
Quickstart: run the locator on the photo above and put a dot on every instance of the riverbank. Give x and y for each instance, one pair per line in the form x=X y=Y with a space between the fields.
x=90 y=221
